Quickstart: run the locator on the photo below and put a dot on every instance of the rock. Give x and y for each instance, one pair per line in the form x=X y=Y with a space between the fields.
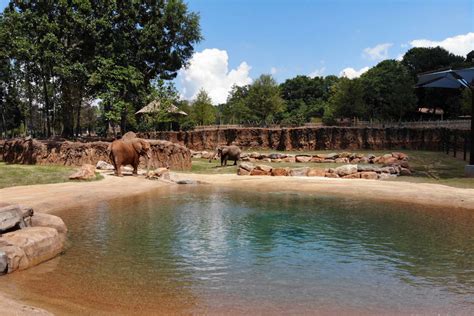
x=303 y=158
x=266 y=159
x=345 y=154
x=160 y=173
x=399 y=156
x=354 y=161
x=352 y=176
x=341 y=160
x=102 y=165
x=247 y=166
x=389 y=161
x=331 y=156
x=129 y=135
x=371 y=156
x=243 y=172
x=366 y=168
x=317 y=159
x=404 y=164
x=290 y=159
x=316 y=172
x=258 y=172
x=30 y=246
x=331 y=175
x=275 y=156
x=255 y=155
x=48 y=220
x=346 y=170
x=362 y=160
x=87 y=172
x=385 y=176
x=280 y=171
x=390 y=170
x=186 y=181
x=276 y=160
x=14 y=216
x=265 y=168
x=370 y=175
x=3 y=263
x=405 y=172
x=299 y=172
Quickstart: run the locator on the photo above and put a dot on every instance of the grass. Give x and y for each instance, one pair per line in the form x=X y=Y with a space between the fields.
x=428 y=166
x=15 y=175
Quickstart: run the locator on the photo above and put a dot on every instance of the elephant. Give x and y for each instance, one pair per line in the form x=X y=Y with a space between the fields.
x=128 y=152
x=227 y=153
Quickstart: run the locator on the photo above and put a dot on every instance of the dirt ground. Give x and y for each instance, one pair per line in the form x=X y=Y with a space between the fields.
x=54 y=197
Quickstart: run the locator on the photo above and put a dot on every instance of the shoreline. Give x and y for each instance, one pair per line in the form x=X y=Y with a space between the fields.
x=51 y=198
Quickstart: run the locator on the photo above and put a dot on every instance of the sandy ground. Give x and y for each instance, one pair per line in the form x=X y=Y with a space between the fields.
x=54 y=197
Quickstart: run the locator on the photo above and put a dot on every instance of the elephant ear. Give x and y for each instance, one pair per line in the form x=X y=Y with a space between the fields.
x=138 y=145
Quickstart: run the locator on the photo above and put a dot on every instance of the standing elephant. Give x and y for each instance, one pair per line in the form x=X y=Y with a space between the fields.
x=128 y=152
x=227 y=153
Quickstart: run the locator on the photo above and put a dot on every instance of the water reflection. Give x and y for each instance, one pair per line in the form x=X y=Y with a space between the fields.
x=201 y=250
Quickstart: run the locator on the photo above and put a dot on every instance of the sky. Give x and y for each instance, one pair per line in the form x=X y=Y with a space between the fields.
x=246 y=38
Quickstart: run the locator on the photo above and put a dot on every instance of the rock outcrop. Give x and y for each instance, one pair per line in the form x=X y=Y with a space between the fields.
x=307 y=138
x=27 y=239
x=31 y=151
x=87 y=172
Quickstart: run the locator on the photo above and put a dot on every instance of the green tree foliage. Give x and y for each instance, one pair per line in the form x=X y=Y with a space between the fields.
x=422 y=59
x=388 y=90
x=202 y=110
x=236 y=111
x=347 y=99
x=66 y=53
x=264 y=100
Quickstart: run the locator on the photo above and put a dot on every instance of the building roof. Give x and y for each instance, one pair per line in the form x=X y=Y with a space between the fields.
x=155 y=106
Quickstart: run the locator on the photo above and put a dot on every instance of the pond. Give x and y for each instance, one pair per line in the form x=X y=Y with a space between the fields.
x=206 y=250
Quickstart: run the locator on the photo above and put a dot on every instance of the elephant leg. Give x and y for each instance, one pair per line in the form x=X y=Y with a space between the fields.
x=225 y=161
x=136 y=162
x=118 y=168
x=235 y=162
x=222 y=161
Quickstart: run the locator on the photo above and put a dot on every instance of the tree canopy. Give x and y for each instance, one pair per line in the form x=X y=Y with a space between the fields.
x=64 y=54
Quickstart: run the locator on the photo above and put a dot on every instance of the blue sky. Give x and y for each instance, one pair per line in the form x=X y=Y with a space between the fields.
x=291 y=37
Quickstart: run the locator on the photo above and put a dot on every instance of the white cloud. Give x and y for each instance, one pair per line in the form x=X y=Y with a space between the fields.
x=273 y=70
x=209 y=70
x=459 y=45
x=352 y=73
x=318 y=72
x=377 y=52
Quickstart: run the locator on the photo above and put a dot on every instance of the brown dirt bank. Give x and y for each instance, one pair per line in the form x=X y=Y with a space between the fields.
x=31 y=151
x=309 y=138
x=55 y=197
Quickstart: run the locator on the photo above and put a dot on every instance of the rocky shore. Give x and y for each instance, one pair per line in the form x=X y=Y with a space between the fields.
x=27 y=238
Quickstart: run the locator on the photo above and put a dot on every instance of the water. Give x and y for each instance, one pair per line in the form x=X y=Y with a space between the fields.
x=204 y=250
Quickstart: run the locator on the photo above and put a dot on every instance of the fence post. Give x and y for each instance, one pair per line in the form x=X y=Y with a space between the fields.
x=448 y=138
x=455 y=143
x=465 y=148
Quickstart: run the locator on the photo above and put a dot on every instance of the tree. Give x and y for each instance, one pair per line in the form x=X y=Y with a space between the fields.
x=264 y=100
x=347 y=99
x=423 y=59
x=388 y=90
x=65 y=53
x=235 y=110
x=202 y=110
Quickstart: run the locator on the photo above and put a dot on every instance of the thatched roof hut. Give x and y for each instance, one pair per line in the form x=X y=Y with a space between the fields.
x=155 y=106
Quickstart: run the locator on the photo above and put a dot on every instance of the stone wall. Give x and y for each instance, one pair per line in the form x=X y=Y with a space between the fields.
x=31 y=151
x=307 y=138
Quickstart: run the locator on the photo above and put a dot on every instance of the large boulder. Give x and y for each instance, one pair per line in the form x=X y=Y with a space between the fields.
x=369 y=175
x=247 y=166
x=265 y=168
x=303 y=158
x=30 y=246
x=87 y=172
x=280 y=172
x=3 y=263
x=14 y=217
x=102 y=165
x=316 y=172
x=52 y=221
x=345 y=170
x=299 y=172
